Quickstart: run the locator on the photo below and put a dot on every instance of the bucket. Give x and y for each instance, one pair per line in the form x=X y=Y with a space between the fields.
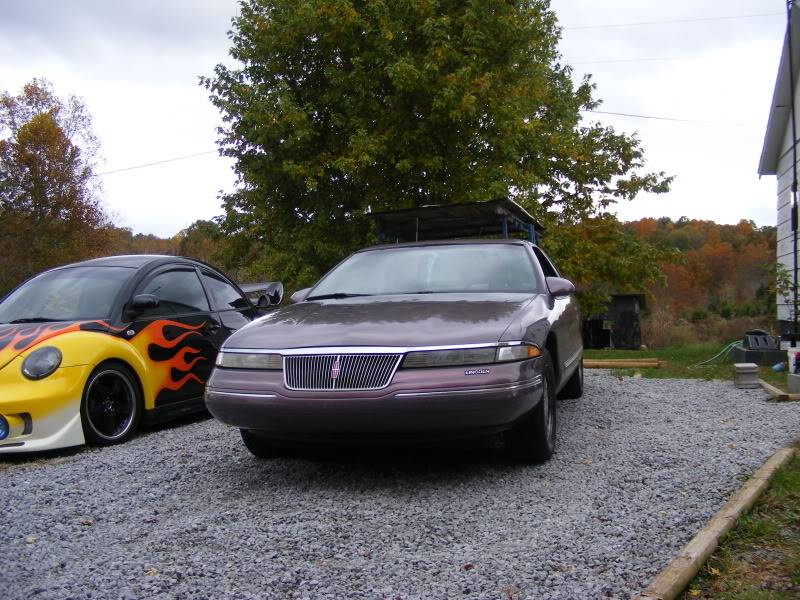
x=793 y=355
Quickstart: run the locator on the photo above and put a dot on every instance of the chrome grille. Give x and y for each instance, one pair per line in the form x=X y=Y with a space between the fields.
x=339 y=371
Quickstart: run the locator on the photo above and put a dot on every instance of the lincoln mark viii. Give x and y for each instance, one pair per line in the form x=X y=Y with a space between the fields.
x=430 y=340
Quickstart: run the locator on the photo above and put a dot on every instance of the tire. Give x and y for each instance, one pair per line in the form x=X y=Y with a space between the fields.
x=111 y=406
x=574 y=387
x=257 y=445
x=533 y=439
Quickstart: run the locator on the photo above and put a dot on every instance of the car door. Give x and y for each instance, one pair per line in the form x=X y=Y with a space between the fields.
x=233 y=308
x=567 y=327
x=178 y=337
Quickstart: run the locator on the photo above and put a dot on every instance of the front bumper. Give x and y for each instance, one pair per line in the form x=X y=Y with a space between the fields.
x=46 y=413
x=425 y=403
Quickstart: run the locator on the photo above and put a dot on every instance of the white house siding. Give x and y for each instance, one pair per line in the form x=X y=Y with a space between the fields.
x=785 y=240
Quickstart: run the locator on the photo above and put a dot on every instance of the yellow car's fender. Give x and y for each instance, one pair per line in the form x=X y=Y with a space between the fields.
x=90 y=348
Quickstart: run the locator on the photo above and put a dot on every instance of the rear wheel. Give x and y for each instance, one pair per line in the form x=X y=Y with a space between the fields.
x=534 y=438
x=111 y=405
x=257 y=445
x=574 y=387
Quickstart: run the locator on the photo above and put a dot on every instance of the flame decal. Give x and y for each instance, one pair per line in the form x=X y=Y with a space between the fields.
x=172 y=350
x=15 y=339
x=155 y=343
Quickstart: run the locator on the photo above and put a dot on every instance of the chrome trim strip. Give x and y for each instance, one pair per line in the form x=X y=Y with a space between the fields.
x=573 y=359
x=506 y=388
x=363 y=349
x=239 y=394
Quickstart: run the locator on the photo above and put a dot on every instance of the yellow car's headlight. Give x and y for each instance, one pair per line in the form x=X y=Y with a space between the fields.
x=41 y=362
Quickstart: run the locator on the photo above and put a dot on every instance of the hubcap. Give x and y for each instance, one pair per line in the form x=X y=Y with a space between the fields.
x=110 y=405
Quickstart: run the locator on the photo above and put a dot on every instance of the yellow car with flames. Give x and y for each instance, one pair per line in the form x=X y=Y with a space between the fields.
x=89 y=351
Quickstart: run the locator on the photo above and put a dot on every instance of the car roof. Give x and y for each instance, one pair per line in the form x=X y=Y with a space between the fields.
x=469 y=242
x=135 y=261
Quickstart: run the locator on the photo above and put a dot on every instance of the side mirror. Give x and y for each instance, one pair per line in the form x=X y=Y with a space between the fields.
x=299 y=295
x=560 y=287
x=143 y=302
x=273 y=294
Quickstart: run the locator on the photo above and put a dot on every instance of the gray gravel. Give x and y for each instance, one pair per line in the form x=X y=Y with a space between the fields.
x=186 y=512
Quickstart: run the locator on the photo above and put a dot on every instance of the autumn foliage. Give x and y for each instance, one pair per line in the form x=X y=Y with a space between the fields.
x=50 y=212
x=726 y=270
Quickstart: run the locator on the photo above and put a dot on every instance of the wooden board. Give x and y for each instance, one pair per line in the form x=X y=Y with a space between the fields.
x=669 y=584
x=621 y=363
x=778 y=394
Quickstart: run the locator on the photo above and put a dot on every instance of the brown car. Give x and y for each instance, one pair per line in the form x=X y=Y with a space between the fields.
x=423 y=340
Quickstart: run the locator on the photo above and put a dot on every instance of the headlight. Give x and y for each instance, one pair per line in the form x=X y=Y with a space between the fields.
x=446 y=358
x=236 y=360
x=469 y=356
x=518 y=352
x=41 y=363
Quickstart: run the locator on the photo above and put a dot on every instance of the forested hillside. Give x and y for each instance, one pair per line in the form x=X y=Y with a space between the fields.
x=724 y=269
x=720 y=282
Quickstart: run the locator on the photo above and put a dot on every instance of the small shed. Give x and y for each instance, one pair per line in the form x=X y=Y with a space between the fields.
x=619 y=327
x=492 y=218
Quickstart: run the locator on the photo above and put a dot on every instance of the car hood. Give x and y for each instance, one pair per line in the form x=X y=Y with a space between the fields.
x=18 y=338
x=407 y=320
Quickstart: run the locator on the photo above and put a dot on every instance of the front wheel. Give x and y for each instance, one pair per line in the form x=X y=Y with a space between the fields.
x=111 y=405
x=257 y=445
x=534 y=438
x=574 y=387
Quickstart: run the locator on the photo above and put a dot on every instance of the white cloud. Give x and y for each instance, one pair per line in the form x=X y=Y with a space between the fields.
x=137 y=63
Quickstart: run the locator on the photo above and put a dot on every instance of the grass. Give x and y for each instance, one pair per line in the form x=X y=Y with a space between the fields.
x=760 y=557
x=679 y=363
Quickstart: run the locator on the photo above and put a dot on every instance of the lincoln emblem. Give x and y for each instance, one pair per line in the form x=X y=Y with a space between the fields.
x=336 y=368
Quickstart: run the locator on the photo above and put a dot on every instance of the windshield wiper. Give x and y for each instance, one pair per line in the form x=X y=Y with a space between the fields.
x=33 y=320
x=335 y=296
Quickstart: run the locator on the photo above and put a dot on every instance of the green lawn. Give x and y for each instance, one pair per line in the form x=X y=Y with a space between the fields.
x=680 y=361
x=760 y=557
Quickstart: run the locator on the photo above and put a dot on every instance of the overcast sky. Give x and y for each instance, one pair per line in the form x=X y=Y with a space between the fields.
x=136 y=64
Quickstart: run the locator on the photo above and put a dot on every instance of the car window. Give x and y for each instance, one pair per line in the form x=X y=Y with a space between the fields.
x=433 y=269
x=223 y=294
x=68 y=294
x=548 y=268
x=178 y=291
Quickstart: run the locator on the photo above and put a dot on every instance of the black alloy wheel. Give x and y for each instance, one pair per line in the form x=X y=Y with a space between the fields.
x=111 y=405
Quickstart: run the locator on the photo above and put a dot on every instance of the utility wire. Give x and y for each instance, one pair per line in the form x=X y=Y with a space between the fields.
x=158 y=162
x=670 y=21
x=674 y=119
x=597 y=112
x=631 y=60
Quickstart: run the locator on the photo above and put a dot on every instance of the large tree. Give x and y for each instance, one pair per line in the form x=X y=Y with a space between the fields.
x=49 y=207
x=337 y=106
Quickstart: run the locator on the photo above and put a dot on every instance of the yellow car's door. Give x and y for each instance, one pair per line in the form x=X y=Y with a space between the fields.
x=177 y=333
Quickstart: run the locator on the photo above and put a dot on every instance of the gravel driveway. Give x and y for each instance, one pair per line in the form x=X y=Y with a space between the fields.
x=186 y=512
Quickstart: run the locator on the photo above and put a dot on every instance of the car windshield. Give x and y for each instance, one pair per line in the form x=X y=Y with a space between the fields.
x=71 y=294
x=432 y=269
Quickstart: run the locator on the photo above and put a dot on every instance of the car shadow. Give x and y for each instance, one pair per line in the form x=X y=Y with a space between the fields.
x=374 y=468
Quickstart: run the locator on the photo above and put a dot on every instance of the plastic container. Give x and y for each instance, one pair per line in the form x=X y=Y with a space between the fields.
x=745 y=375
